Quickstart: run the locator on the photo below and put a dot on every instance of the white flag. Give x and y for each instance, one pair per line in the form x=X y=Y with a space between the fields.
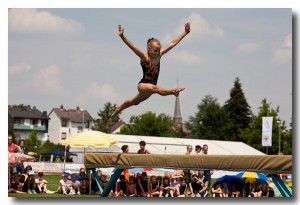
x=267 y=124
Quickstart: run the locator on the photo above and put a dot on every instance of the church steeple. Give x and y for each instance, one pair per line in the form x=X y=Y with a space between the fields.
x=177 y=119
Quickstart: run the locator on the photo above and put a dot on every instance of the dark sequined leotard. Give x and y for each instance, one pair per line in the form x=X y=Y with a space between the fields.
x=150 y=72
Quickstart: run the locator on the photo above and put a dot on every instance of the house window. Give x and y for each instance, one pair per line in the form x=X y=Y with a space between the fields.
x=64 y=123
x=34 y=122
x=63 y=135
x=19 y=121
x=80 y=129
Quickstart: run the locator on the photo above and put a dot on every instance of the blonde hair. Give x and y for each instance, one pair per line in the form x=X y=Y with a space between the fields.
x=152 y=40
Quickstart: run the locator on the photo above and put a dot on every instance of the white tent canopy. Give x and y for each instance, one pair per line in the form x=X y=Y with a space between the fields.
x=170 y=145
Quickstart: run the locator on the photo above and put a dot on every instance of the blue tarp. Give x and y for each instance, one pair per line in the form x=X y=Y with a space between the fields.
x=59 y=153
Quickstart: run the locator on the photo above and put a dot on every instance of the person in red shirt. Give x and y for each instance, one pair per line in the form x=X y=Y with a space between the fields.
x=12 y=147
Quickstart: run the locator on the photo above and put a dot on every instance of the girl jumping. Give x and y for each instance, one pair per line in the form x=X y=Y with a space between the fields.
x=150 y=63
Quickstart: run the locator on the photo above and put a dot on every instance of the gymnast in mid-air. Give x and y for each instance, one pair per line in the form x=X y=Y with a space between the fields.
x=150 y=63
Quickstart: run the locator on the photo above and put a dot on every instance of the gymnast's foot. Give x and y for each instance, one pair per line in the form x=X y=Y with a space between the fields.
x=117 y=111
x=177 y=91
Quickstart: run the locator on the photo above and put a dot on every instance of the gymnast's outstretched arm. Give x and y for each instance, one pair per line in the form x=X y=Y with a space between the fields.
x=135 y=49
x=187 y=29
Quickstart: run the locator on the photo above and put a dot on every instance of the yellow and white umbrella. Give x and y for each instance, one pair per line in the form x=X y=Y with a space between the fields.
x=90 y=139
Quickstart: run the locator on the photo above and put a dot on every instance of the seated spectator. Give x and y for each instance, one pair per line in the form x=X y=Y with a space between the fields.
x=81 y=174
x=41 y=184
x=216 y=190
x=235 y=192
x=64 y=184
x=265 y=190
x=154 y=186
x=256 y=190
x=132 y=186
x=17 y=186
x=29 y=185
x=143 y=185
x=103 y=181
x=121 y=187
x=94 y=186
x=84 y=182
x=166 y=190
x=204 y=181
x=199 y=185
x=159 y=180
x=181 y=190
x=225 y=190
x=271 y=192
x=75 y=185
x=84 y=186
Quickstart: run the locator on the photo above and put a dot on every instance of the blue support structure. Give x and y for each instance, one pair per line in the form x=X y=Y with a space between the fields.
x=284 y=191
x=97 y=179
x=112 y=182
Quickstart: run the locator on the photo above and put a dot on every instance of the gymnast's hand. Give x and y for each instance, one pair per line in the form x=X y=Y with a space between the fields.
x=121 y=30
x=187 y=27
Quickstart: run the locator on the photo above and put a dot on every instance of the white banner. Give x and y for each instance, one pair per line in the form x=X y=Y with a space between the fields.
x=267 y=124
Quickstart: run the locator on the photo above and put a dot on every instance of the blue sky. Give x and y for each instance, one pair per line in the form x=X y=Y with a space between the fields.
x=74 y=57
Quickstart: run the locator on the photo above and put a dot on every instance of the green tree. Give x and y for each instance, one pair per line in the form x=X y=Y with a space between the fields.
x=252 y=135
x=149 y=124
x=20 y=106
x=238 y=109
x=32 y=143
x=287 y=140
x=211 y=121
x=104 y=114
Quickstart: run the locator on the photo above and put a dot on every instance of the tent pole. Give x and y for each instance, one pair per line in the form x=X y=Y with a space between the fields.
x=65 y=156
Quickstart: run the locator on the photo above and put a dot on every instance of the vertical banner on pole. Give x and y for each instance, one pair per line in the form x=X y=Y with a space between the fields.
x=267 y=124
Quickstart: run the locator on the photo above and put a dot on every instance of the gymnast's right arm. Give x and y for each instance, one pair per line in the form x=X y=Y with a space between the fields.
x=136 y=50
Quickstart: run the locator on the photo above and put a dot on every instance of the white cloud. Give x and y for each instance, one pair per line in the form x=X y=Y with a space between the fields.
x=19 y=68
x=94 y=91
x=283 y=53
x=248 y=48
x=34 y=21
x=200 y=29
x=184 y=57
x=47 y=80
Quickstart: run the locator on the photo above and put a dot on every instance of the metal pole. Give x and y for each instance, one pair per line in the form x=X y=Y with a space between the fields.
x=279 y=137
x=82 y=120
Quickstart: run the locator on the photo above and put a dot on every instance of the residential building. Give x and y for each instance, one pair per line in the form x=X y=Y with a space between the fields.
x=67 y=122
x=23 y=121
x=116 y=128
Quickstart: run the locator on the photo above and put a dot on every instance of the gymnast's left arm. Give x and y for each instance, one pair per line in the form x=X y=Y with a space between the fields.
x=187 y=29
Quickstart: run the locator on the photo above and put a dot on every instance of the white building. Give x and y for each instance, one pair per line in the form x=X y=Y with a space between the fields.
x=64 y=123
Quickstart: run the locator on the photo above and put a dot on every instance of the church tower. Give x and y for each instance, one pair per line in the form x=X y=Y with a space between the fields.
x=177 y=119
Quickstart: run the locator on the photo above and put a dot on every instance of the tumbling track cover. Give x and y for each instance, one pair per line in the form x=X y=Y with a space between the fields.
x=259 y=163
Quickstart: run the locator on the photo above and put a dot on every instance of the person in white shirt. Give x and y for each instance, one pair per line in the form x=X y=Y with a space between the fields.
x=75 y=185
x=64 y=184
x=41 y=184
